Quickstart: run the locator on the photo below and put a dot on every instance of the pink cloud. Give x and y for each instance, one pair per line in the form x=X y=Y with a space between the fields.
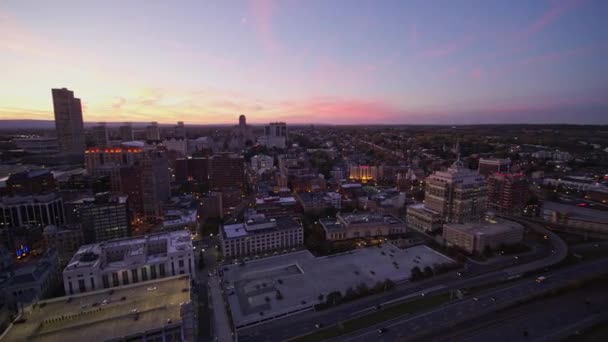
x=556 y=11
x=262 y=12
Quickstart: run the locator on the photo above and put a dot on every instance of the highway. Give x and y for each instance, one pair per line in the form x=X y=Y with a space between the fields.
x=300 y=324
x=444 y=317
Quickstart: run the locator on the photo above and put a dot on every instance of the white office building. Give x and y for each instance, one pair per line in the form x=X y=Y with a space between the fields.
x=127 y=261
x=260 y=234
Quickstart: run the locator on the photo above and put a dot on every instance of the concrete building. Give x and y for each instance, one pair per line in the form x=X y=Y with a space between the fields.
x=122 y=262
x=364 y=173
x=100 y=135
x=33 y=279
x=126 y=132
x=260 y=234
x=192 y=169
x=37 y=210
x=458 y=194
x=38 y=145
x=227 y=170
x=65 y=240
x=160 y=310
x=423 y=219
x=576 y=218
x=573 y=183
x=180 y=130
x=488 y=166
x=261 y=163
x=275 y=135
x=103 y=217
x=68 y=122
x=30 y=182
x=152 y=131
x=507 y=193
x=476 y=237
x=361 y=225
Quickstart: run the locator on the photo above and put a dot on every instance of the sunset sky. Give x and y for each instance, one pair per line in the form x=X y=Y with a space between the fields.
x=305 y=61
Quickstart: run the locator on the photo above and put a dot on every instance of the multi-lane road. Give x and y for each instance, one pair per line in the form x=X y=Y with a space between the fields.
x=444 y=317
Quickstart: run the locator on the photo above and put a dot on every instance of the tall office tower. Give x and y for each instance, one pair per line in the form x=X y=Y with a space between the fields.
x=104 y=217
x=156 y=183
x=227 y=171
x=152 y=131
x=126 y=132
x=180 y=130
x=492 y=165
x=458 y=194
x=68 y=122
x=242 y=121
x=100 y=135
x=275 y=135
x=507 y=193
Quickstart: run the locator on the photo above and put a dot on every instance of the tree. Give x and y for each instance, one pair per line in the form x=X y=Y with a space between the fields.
x=350 y=293
x=362 y=289
x=428 y=272
x=415 y=273
x=388 y=284
x=333 y=298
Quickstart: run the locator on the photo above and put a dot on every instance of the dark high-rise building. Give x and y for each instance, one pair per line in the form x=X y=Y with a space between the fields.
x=152 y=131
x=227 y=171
x=156 y=182
x=126 y=132
x=100 y=135
x=507 y=193
x=68 y=122
x=104 y=217
x=180 y=130
x=192 y=169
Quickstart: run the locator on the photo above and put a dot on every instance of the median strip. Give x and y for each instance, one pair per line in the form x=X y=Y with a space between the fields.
x=376 y=317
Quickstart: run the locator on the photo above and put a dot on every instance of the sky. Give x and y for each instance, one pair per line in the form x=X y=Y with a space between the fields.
x=308 y=61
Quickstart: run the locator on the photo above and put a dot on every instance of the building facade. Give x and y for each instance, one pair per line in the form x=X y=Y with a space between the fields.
x=422 y=219
x=458 y=194
x=507 y=193
x=361 y=225
x=68 y=122
x=127 y=261
x=477 y=237
x=104 y=217
x=488 y=166
x=259 y=234
x=275 y=135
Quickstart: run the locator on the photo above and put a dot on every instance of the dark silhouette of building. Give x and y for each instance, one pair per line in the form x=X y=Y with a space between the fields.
x=103 y=217
x=68 y=122
x=30 y=182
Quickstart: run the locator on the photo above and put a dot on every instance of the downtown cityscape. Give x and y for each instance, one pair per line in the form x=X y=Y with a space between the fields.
x=304 y=171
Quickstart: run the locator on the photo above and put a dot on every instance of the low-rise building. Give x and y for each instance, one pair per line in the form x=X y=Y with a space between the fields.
x=260 y=234
x=126 y=261
x=423 y=219
x=575 y=217
x=31 y=279
x=361 y=225
x=476 y=237
x=156 y=311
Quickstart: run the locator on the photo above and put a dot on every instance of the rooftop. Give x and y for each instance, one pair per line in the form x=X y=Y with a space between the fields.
x=488 y=227
x=258 y=223
x=85 y=317
x=578 y=213
x=135 y=250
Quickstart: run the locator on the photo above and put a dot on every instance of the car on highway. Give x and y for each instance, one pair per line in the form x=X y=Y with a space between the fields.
x=541 y=279
x=476 y=299
x=493 y=299
x=318 y=325
x=382 y=330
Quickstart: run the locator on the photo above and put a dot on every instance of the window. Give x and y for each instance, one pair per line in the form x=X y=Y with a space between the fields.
x=181 y=263
x=70 y=285
x=81 y=286
x=134 y=275
x=106 y=282
x=144 y=274
x=92 y=283
x=153 y=271
x=161 y=270
x=125 y=277
x=190 y=265
x=115 y=279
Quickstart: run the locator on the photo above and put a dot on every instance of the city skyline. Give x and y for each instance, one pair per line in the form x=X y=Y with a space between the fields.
x=469 y=62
